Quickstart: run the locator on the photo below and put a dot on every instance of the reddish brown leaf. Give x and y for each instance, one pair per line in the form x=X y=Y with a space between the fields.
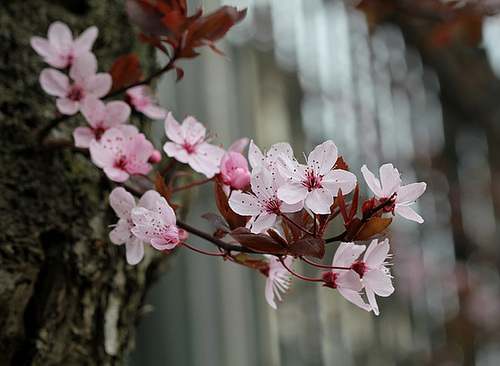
x=233 y=219
x=161 y=187
x=217 y=221
x=309 y=247
x=352 y=229
x=167 y=6
x=125 y=71
x=215 y=25
x=373 y=227
x=257 y=242
x=155 y=42
x=147 y=17
x=243 y=259
x=353 y=209
x=277 y=238
x=341 y=164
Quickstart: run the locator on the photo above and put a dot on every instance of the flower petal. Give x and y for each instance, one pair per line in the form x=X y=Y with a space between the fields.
x=319 y=201
x=390 y=179
x=372 y=182
x=134 y=251
x=54 y=82
x=83 y=136
x=408 y=213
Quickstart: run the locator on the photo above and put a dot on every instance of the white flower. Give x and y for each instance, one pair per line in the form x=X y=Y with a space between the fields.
x=390 y=184
x=189 y=145
x=316 y=183
x=278 y=278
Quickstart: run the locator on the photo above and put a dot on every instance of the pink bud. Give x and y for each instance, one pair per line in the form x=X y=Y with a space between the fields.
x=234 y=170
x=155 y=157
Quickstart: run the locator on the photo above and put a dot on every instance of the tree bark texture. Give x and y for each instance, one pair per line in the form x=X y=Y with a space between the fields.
x=67 y=296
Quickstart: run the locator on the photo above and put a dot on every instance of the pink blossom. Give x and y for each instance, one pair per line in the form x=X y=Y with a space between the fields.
x=262 y=204
x=59 y=50
x=86 y=84
x=155 y=157
x=316 y=183
x=122 y=203
x=269 y=158
x=234 y=170
x=345 y=279
x=374 y=274
x=390 y=184
x=121 y=152
x=278 y=278
x=144 y=102
x=156 y=226
x=190 y=145
x=100 y=117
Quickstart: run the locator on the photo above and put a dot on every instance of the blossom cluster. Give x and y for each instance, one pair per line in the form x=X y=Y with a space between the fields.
x=269 y=202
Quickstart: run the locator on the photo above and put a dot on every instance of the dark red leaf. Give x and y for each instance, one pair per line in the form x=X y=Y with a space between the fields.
x=257 y=242
x=147 y=17
x=309 y=247
x=125 y=71
x=341 y=164
x=217 y=221
x=232 y=218
x=373 y=227
x=167 y=6
x=277 y=238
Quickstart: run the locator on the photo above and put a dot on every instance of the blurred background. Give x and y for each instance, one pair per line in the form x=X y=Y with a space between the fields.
x=400 y=89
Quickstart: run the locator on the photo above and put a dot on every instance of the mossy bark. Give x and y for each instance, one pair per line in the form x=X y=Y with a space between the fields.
x=67 y=296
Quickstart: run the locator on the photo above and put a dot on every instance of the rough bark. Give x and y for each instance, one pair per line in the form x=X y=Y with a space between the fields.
x=67 y=295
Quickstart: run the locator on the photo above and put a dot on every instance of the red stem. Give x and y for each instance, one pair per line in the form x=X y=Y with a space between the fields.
x=297 y=275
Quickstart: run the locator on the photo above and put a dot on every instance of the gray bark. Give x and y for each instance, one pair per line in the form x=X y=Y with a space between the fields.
x=67 y=295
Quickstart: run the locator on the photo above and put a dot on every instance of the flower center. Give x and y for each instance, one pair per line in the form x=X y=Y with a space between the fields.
x=312 y=181
x=121 y=163
x=190 y=148
x=75 y=93
x=273 y=206
x=390 y=206
x=359 y=267
x=98 y=132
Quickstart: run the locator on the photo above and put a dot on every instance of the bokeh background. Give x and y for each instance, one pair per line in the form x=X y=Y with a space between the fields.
x=305 y=71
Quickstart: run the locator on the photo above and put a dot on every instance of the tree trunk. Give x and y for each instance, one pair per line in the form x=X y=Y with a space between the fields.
x=67 y=295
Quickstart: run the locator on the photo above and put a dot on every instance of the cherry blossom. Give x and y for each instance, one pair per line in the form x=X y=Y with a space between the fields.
x=144 y=102
x=269 y=158
x=390 y=184
x=374 y=274
x=316 y=183
x=100 y=117
x=234 y=170
x=262 y=204
x=122 y=203
x=86 y=84
x=121 y=152
x=343 y=278
x=157 y=226
x=190 y=145
x=60 y=50
x=278 y=278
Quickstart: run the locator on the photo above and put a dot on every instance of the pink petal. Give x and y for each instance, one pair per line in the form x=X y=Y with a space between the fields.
x=83 y=136
x=54 y=82
x=134 y=251
x=323 y=157
x=85 y=41
x=98 y=85
x=372 y=300
x=339 y=178
x=83 y=67
x=148 y=200
x=48 y=52
x=354 y=298
x=94 y=111
x=99 y=155
x=244 y=204
x=319 y=201
x=348 y=279
x=192 y=130
x=410 y=192
x=122 y=202
x=379 y=282
x=347 y=254
x=153 y=111
x=292 y=192
x=206 y=160
x=60 y=36
x=117 y=112
x=408 y=213
x=173 y=130
x=372 y=182
x=176 y=151
x=255 y=156
x=116 y=174
x=165 y=212
x=120 y=234
x=239 y=145
x=263 y=222
x=390 y=180
x=67 y=106
x=376 y=253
